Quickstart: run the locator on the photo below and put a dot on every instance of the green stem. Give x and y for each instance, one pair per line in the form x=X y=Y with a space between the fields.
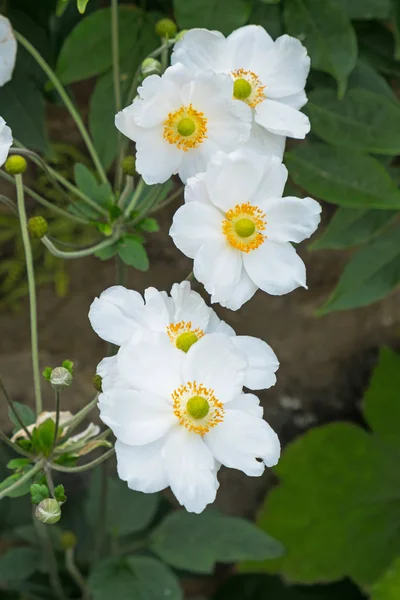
x=44 y=202
x=117 y=79
x=77 y=253
x=15 y=447
x=82 y=414
x=102 y=515
x=74 y=572
x=67 y=101
x=14 y=409
x=135 y=198
x=32 y=292
x=83 y=468
x=164 y=54
x=170 y=199
x=50 y=482
x=57 y=426
x=29 y=475
x=51 y=562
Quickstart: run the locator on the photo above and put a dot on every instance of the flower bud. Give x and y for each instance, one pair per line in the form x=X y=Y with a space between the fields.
x=15 y=165
x=97 y=383
x=60 y=377
x=68 y=540
x=37 y=227
x=165 y=28
x=128 y=165
x=151 y=66
x=48 y=511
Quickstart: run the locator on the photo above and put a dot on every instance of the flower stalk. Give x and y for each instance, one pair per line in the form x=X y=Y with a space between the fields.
x=26 y=477
x=78 y=253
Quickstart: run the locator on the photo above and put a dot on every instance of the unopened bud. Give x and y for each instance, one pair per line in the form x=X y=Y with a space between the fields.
x=68 y=540
x=37 y=227
x=128 y=165
x=151 y=66
x=15 y=165
x=60 y=377
x=48 y=511
x=166 y=28
x=97 y=383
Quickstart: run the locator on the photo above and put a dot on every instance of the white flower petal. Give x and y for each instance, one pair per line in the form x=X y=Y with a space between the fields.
x=199 y=50
x=116 y=314
x=142 y=466
x=215 y=325
x=215 y=363
x=190 y=306
x=241 y=439
x=282 y=119
x=193 y=225
x=218 y=266
x=156 y=159
x=6 y=141
x=286 y=69
x=291 y=219
x=264 y=142
x=233 y=178
x=272 y=183
x=262 y=362
x=190 y=468
x=244 y=290
x=275 y=268
x=8 y=51
x=158 y=310
x=158 y=96
x=245 y=45
x=248 y=403
x=110 y=375
x=196 y=189
x=151 y=363
x=296 y=100
x=136 y=418
x=194 y=161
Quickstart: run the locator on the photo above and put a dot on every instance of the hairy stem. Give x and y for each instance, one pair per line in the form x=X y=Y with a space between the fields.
x=32 y=293
x=29 y=475
x=117 y=80
x=57 y=425
x=77 y=253
x=86 y=467
x=74 y=572
x=82 y=414
x=15 y=447
x=14 y=409
x=51 y=562
x=67 y=101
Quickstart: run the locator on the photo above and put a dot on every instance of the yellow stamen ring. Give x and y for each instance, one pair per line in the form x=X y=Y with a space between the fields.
x=186 y=128
x=243 y=226
x=248 y=87
x=183 y=335
x=197 y=408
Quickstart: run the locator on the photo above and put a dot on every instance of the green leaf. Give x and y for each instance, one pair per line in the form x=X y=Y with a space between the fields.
x=136 y=577
x=39 y=492
x=338 y=517
x=377 y=46
x=16 y=464
x=352 y=227
x=327 y=34
x=23 y=108
x=366 y=77
x=396 y=11
x=366 y=9
x=43 y=436
x=149 y=224
x=342 y=177
x=91 y=39
x=19 y=491
x=25 y=412
x=132 y=252
x=224 y=15
x=388 y=586
x=269 y=17
x=381 y=400
x=264 y=587
x=18 y=564
x=372 y=273
x=47 y=371
x=87 y=183
x=82 y=5
x=362 y=121
x=196 y=542
x=69 y=365
x=107 y=252
x=59 y=494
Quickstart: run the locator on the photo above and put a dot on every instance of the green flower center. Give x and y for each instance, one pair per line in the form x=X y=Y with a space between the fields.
x=245 y=228
x=185 y=340
x=197 y=407
x=186 y=126
x=241 y=89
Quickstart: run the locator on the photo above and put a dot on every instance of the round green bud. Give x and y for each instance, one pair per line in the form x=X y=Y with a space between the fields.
x=60 y=378
x=197 y=407
x=166 y=28
x=128 y=165
x=151 y=66
x=245 y=227
x=185 y=340
x=241 y=89
x=15 y=165
x=48 y=511
x=180 y=34
x=97 y=383
x=68 y=540
x=37 y=227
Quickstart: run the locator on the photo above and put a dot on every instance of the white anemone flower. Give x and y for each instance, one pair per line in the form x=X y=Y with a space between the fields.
x=268 y=76
x=6 y=141
x=238 y=228
x=8 y=50
x=179 y=416
x=182 y=319
x=178 y=122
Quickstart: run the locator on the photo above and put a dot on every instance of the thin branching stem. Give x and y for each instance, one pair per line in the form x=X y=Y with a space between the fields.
x=77 y=253
x=14 y=409
x=26 y=477
x=87 y=466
